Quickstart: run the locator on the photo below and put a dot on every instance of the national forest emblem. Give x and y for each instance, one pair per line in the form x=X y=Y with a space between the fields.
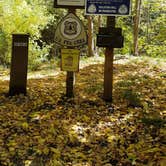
x=70 y=32
x=70 y=28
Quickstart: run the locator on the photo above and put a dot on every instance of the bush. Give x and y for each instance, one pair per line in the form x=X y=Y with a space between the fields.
x=132 y=98
x=19 y=16
x=156 y=50
x=37 y=56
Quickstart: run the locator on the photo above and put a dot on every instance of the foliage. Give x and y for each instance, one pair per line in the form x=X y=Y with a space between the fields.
x=18 y=16
x=152 y=29
x=39 y=19
x=126 y=25
x=46 y=128
x=37 y=56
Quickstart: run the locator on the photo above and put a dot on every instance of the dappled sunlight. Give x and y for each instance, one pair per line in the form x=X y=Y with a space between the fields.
x=80 y=131
x=107 y=126
x=47 y=127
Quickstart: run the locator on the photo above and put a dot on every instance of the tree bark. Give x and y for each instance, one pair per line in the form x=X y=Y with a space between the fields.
x=136 y=26
x=90 y=37
x=97 y=49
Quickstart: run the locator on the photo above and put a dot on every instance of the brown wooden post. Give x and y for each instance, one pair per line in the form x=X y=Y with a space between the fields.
x=70 y=78
x=70 y=81
x=108 y=68
x=19 y=63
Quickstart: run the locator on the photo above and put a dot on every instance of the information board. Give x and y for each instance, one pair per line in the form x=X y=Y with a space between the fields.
x=69 y=3
x=107 y=7
x=70 y=60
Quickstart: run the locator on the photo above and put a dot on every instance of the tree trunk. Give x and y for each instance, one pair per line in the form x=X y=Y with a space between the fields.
x=136 y=26
x=90 y=37
x=97 y=49
x=148 y=24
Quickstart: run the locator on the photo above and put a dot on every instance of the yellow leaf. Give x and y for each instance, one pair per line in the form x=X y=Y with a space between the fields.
x=25 y=125
x=46 y=151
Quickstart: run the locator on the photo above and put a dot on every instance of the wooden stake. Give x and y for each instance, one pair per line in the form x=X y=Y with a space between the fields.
x=19 y=64
x=70 y=78
x=108 y=68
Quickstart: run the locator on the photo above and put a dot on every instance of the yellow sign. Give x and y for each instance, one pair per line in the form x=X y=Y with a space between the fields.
x=70 y=60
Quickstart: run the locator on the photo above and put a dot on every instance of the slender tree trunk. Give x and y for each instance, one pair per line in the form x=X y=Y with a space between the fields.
x=97 y=49
x=148 y=24
x=99 y=21
x=136 y=26
x=90 y=37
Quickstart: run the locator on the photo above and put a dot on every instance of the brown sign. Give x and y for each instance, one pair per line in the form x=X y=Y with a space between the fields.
x=19 y=63
x=69 y=3
x=70 y=32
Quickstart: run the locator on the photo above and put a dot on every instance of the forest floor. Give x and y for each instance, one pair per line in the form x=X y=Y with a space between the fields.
x=45 y=128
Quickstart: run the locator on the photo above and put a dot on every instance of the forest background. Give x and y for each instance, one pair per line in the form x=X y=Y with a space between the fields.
x=39 y=19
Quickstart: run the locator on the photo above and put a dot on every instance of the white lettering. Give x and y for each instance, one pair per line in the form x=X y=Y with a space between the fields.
x=17 y=44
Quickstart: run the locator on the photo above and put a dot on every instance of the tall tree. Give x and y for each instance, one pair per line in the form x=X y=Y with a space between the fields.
x=90 y=36
x=136 y=26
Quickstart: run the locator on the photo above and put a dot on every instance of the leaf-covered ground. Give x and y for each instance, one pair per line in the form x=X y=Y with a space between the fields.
x=45 y=128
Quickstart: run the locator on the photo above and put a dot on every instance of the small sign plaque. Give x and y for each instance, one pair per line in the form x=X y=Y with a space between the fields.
x=18 y=44
x=70 y=60
x=69 y=3
x=70 y=32
x=107 y=7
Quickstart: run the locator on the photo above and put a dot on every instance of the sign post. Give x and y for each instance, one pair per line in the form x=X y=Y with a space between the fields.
x=70 y=78
x=70 y=34
x=19 y=63
x=109 y=36
x=108 y=66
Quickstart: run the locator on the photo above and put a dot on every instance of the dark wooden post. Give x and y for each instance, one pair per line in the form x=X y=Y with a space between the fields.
x=108 y=68
x=70 y=78
x=70 y=84
x=19 y=63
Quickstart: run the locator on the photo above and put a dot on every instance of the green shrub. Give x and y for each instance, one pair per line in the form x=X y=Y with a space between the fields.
x=132 y=98
x=20 y=16
x=156 y=50
x=37 y=56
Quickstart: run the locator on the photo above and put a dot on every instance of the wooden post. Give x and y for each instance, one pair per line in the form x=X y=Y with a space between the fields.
x=108 y=68
x=70 y=78
x=70 y=81
x=19 y=64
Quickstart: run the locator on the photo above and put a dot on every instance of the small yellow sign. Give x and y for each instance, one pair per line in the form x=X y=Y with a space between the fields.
x=70 y=60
